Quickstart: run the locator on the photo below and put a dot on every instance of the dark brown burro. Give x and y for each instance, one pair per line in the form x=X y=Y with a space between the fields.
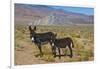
x=40 y=38
x=62 y=43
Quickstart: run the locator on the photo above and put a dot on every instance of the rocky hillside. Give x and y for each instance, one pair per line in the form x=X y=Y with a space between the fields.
x=47 y=15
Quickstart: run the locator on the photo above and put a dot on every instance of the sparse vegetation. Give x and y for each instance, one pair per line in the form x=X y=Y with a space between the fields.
x=83 y=37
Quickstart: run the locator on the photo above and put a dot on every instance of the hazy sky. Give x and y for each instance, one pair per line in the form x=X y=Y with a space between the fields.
x=82 y=10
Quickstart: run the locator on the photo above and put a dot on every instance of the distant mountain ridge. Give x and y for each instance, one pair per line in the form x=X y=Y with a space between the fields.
x=46 y=15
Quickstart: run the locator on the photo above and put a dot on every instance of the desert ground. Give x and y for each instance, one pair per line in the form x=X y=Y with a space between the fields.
x=27 y=53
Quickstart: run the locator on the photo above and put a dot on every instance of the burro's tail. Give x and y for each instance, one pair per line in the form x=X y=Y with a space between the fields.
x=72 y=43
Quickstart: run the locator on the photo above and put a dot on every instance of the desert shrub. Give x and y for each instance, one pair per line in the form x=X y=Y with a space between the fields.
x=75 y=35
x=17 y=45
x=48 y=58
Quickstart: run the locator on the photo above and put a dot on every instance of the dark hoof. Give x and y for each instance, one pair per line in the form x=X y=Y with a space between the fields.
x=37 y=55
x=41 y=55
x=59 y=57
x=55 y=56
x=71 y=56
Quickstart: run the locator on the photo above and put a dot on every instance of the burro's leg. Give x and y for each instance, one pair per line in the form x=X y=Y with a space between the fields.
x=59 y=53
x=40 y=49
x=71 y=53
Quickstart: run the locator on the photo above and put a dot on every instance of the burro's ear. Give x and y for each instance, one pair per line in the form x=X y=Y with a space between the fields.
x=30 y=28
x=56 y=35
x=34 y=27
